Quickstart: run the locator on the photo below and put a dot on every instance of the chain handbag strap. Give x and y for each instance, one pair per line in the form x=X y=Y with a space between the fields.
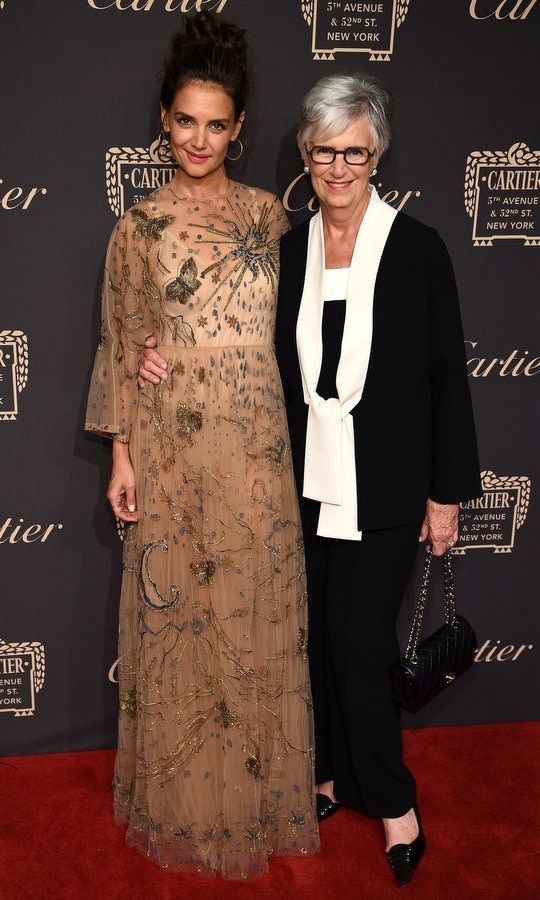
x=449 y=594
x=414 y=635
x=449 y=602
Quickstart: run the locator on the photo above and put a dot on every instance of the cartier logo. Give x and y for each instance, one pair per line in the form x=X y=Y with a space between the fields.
x=504 y=9
x=19 y=197
x=298 y=196
x=518 y=362
x=491 y=651
x=11 y=533
x=181 y=6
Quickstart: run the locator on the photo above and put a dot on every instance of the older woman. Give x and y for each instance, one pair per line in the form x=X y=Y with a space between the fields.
x=382 y=437
x=371 y=354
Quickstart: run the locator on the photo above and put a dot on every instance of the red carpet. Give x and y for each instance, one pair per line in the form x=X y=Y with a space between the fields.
x=478 y=790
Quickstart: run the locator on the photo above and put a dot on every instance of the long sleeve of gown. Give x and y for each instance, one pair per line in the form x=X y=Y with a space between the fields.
x=125 y=325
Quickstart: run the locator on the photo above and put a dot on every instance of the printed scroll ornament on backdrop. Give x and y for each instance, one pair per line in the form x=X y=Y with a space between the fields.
x=338 y=26
x=22 y=675
x=491 y=521
x=13 y=372
x=502 y=190
x=132 y=173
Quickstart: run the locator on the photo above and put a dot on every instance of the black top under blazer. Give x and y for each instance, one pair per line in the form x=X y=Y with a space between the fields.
x=414 y=427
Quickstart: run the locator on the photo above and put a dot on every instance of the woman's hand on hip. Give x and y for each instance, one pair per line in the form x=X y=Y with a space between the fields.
x=121 y=491
x=153 y=367
x=440 y=526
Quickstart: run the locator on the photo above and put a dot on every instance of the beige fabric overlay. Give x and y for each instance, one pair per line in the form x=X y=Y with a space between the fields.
x=214 y=769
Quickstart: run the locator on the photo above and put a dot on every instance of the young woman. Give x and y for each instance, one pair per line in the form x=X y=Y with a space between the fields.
x=214 y=769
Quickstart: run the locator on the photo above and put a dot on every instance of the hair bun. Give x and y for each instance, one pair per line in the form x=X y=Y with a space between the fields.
x=207 y=28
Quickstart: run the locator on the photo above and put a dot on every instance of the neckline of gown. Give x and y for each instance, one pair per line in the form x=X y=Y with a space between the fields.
x=227 y=193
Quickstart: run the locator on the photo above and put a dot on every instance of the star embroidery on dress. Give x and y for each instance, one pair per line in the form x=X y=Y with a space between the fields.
x=232 y=321
x=216 y=277
x=202 y=321
x=183 y=235
x=249 y=249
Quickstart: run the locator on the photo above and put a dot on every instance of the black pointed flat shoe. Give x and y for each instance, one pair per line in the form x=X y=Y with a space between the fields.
x=325 y=807
x=404 y=858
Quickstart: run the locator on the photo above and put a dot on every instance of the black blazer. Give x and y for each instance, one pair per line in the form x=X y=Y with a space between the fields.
x=414 y=428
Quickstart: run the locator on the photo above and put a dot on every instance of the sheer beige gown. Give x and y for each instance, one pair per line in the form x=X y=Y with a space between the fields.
x=214 y=769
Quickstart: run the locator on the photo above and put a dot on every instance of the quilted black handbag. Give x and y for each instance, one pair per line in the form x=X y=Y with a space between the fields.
x=429 y=667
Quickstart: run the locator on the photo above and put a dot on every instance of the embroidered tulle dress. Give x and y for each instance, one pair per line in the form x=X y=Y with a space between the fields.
x=214 y=769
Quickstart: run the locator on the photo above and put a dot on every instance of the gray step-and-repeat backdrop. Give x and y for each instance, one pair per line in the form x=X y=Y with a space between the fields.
x=79 y=126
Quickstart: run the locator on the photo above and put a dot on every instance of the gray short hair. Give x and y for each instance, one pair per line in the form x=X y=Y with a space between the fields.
x=337 y=101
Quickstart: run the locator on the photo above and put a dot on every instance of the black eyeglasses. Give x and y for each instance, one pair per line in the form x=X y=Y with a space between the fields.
x=353 y=156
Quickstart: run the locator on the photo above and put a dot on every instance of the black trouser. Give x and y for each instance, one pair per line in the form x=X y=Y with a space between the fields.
x=355 y=591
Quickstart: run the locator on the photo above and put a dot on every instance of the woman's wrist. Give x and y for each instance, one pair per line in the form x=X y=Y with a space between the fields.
x=120 y=450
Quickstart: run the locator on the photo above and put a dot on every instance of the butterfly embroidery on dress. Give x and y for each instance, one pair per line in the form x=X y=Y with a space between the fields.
x=184 y=286
x=150 y=228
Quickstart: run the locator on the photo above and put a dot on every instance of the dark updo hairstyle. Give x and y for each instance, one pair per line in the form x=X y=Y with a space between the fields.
x=208 y=50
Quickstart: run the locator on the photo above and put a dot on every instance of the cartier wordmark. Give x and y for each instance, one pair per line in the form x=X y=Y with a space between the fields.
x=491 y=651
x=21 y=532
x=180 y=6
x=518 y=362
x=501 y=9
x=18 y=197
x=299 y=195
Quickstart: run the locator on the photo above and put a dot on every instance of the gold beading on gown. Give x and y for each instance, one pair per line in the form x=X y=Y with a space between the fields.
x=214 y=769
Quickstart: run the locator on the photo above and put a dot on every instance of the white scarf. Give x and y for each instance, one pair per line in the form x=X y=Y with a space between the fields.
x=329 y=457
